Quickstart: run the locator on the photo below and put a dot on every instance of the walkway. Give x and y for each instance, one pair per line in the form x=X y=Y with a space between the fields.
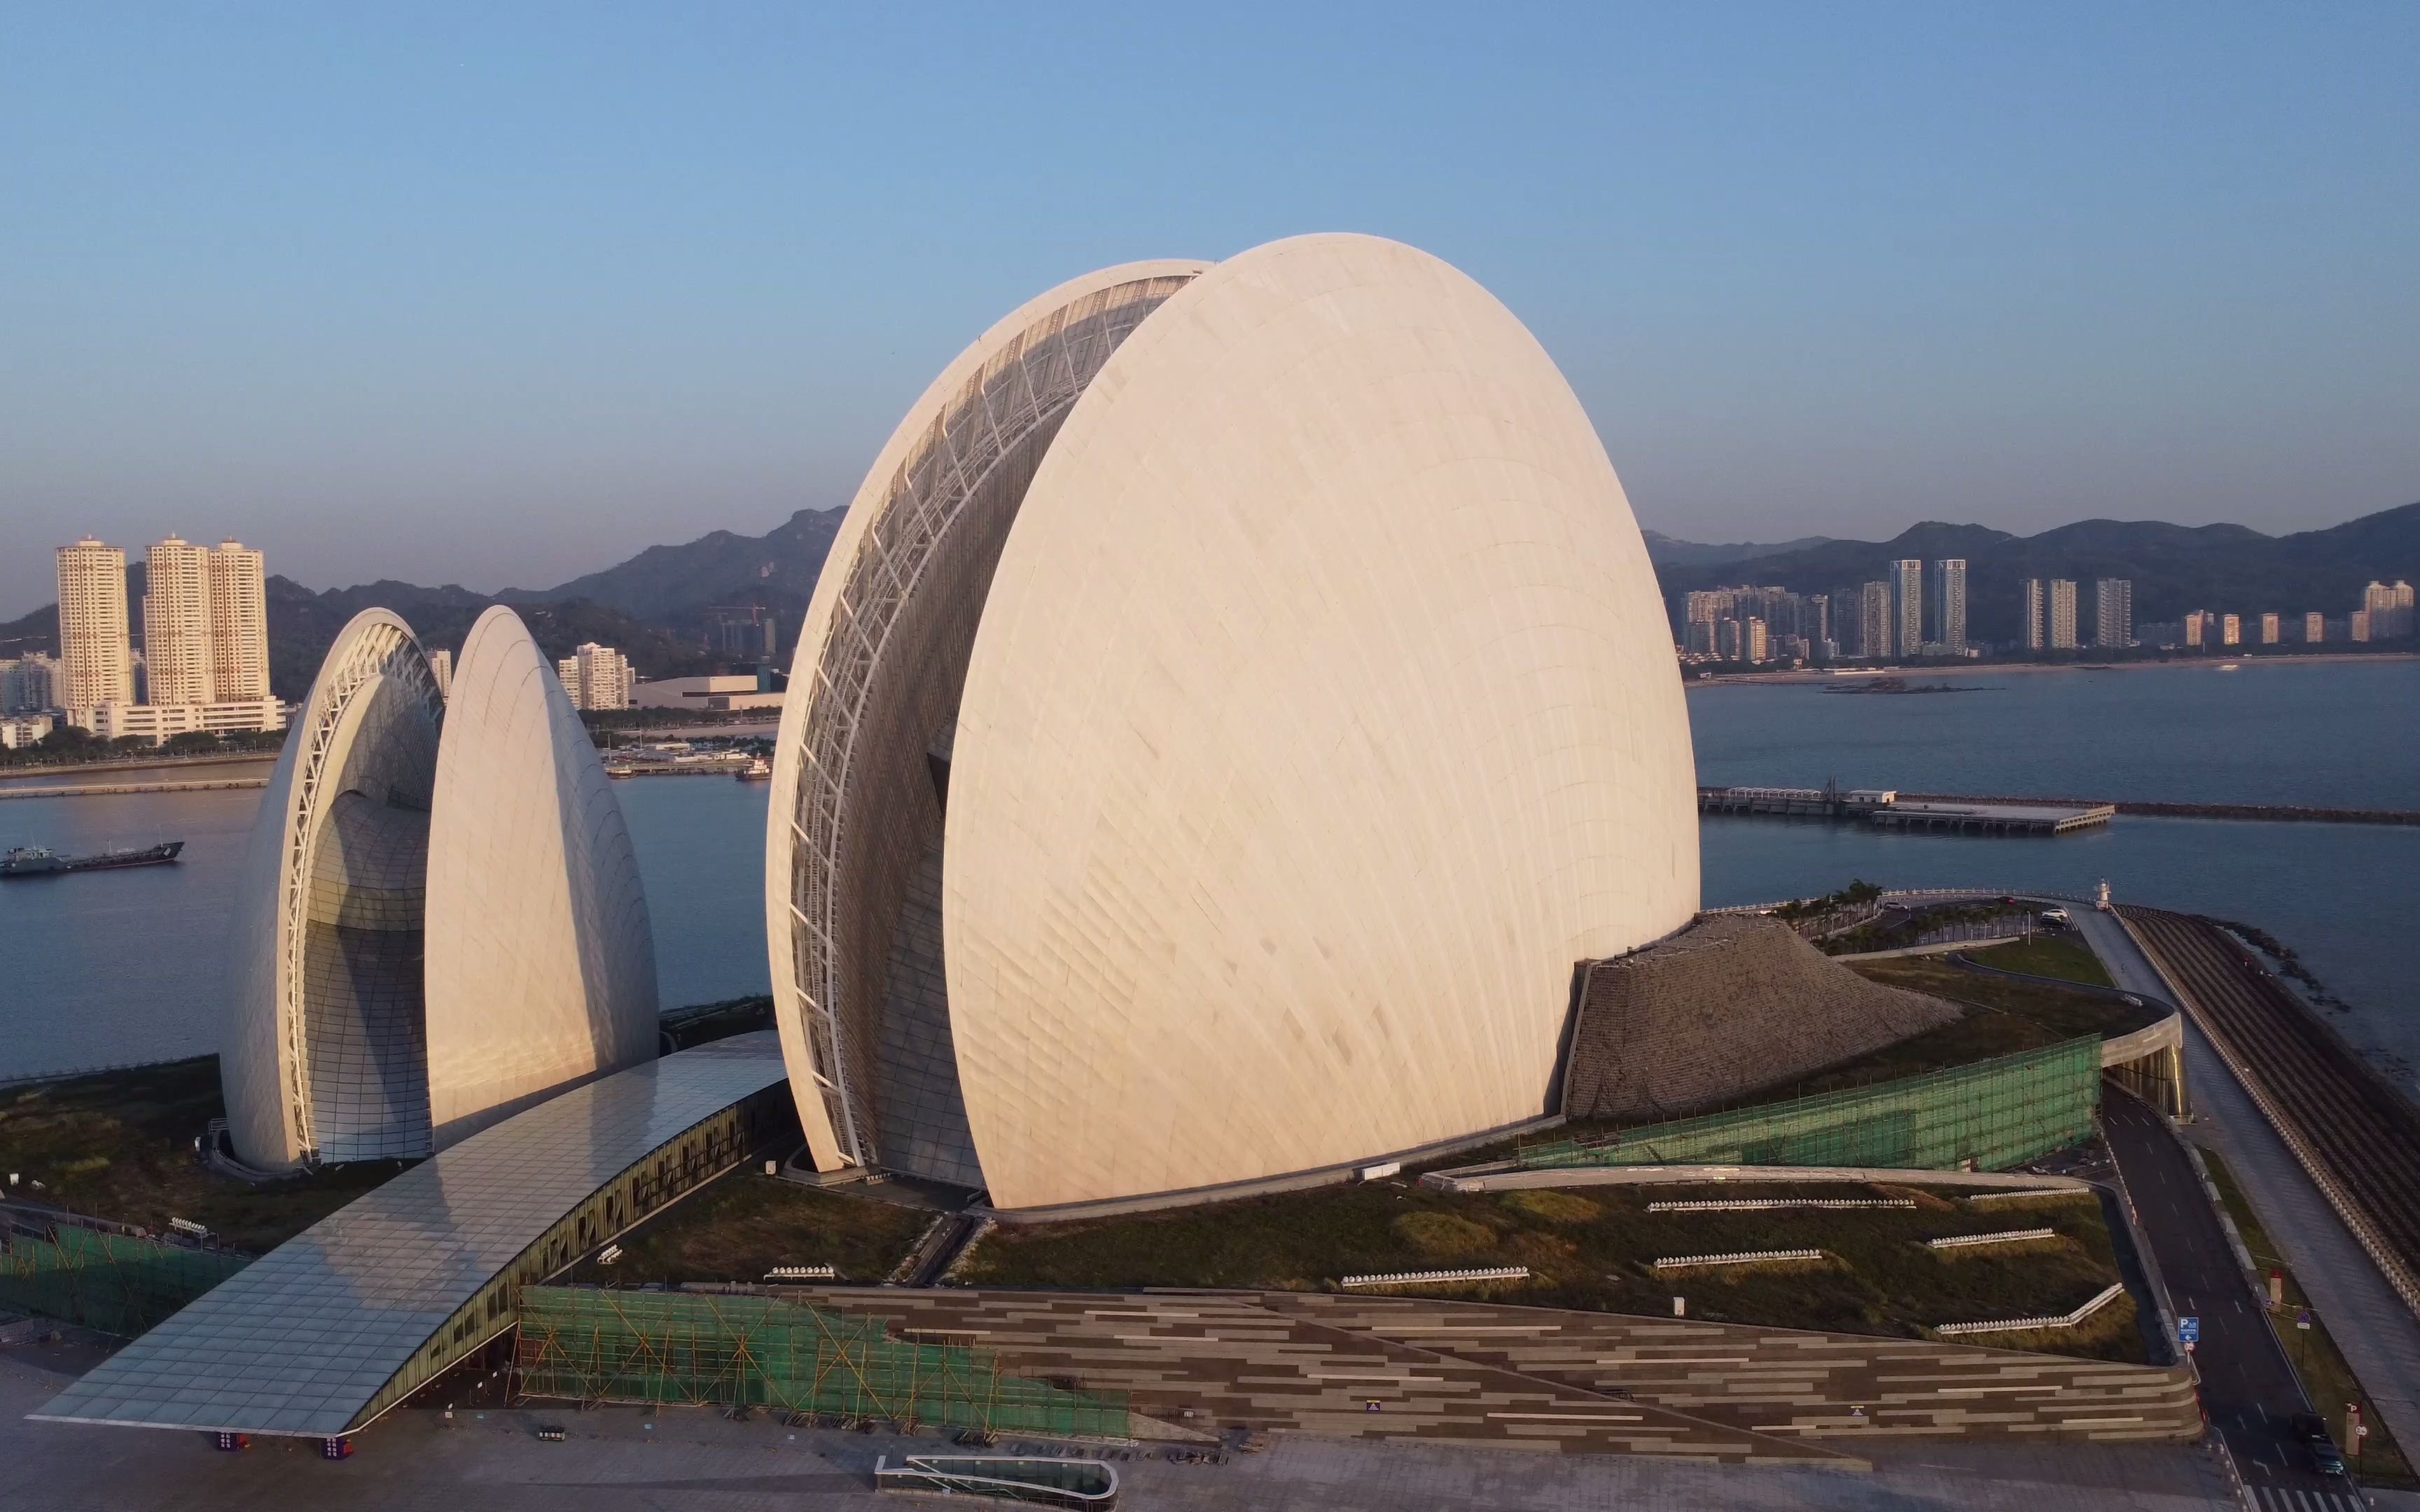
x=340 y=1323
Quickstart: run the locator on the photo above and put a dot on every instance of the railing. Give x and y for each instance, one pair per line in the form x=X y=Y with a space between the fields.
x=1424 y=1278
x=2013 y=1236
x=1747 y=1257
x=1769 y=1204
x=2013 y=1325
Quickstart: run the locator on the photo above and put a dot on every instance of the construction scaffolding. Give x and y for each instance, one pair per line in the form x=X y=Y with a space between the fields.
x=1989 y=1116
x=115 y=1282
x=590 y=1345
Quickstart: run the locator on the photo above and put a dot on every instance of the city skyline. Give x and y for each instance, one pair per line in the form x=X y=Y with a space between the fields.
x=204 y=663
x=567 y=323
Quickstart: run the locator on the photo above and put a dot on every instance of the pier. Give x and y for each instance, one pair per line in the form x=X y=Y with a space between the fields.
x=1884 y=809
x=93 y=790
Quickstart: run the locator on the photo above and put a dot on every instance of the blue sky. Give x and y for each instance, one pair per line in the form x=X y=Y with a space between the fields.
x=499 y=294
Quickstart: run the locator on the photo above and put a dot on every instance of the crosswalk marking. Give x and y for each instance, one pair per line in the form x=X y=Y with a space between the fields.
x=2283 y=1499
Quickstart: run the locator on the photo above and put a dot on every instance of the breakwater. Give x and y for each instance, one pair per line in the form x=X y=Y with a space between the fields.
x=136 y=764
x=90 y=790
x=2269 y=812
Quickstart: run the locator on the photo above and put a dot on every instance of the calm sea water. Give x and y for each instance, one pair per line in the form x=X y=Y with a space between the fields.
x=108 y=967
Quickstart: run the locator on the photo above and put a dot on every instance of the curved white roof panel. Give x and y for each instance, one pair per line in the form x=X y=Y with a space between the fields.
x=1323 y=716
x=1316 y=716
x=541 y=966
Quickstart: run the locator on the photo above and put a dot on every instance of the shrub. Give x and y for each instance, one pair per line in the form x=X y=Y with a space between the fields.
x=1443 y=1234
x=1555 y=1207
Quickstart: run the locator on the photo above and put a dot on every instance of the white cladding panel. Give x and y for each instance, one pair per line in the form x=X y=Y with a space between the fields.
x=541 y=968
x=1322 y=717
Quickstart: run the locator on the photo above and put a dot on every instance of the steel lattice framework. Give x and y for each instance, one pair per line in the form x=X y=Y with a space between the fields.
x=377 y=644
x=1021 y=392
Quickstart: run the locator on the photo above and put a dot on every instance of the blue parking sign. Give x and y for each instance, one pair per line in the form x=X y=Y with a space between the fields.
x=2189 y=1329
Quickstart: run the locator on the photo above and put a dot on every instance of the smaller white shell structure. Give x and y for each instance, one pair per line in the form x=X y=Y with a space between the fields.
x=1236 y=702
x=399 y=980
x=323 y=1055
x=541 y=960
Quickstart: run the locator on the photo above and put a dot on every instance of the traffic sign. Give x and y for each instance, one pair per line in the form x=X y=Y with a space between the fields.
x=2189 y=1329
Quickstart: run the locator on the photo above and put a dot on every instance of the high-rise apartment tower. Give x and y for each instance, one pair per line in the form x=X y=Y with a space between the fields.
x=1949 y=604
x=2113 y=612
x=205 y=624
x=239 y=622
x=176 y=624
x=2062 y=614
x=2034 y=617
x=1907 y=604
x=1875 y=639
x=93 y=644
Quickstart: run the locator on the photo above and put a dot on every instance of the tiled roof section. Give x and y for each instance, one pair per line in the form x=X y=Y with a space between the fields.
x=301 y=1341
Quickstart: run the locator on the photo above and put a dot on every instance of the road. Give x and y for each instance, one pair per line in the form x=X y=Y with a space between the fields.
x=2247 y=1387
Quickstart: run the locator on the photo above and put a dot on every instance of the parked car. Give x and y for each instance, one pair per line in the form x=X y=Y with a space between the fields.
x=2313 y=1430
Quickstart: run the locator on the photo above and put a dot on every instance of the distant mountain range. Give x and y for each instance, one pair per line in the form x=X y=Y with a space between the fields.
x=658 y=606
x=1664 y=551
x=2175 y=568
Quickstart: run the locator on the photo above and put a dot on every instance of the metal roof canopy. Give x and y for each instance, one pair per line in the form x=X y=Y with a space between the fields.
x=306 y=1339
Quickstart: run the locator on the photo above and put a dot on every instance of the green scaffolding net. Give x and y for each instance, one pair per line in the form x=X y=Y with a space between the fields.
x=1995 y=1114
x=114 y=1283
x=594 y=1345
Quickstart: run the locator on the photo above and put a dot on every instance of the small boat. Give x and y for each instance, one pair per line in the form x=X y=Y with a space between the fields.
x=757 y=770
x=41 y=861
x=2230 y=666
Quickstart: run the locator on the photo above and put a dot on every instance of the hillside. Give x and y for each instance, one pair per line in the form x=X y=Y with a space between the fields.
x=654 y=605
x=673 y=586
x=2175 y=568
x=1663 y=549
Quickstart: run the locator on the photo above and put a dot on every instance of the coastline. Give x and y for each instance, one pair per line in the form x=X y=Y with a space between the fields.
x=1831 y=676
x=100 y=771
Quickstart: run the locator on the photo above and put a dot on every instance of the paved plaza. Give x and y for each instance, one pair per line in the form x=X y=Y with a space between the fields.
x=693 y=1460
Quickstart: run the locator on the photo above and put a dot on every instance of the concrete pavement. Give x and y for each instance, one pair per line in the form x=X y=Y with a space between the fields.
x=691 y=1460
x=2380 y=1337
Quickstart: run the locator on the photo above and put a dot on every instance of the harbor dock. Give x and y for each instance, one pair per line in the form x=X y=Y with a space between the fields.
x=1883 y=808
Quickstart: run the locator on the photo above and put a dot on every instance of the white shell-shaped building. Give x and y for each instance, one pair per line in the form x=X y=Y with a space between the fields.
x=541 y=960
x=439 y=919
x=1236 y=701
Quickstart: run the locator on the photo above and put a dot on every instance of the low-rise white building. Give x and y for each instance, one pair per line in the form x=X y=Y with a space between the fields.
x=20 y=730
x=158 y=721
x=712 y=694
